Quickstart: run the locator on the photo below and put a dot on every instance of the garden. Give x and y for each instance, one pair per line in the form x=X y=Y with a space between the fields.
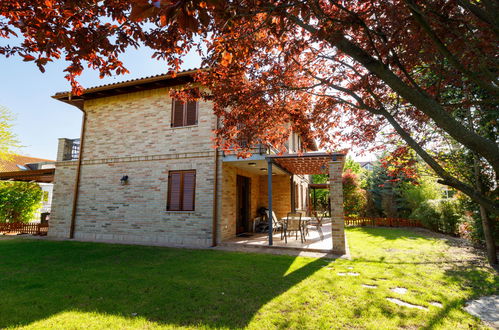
x=79 y=285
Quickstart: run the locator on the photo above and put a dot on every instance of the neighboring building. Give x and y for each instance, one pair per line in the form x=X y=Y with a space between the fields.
x=21 y=168
x=369 y=165
x=149 y=172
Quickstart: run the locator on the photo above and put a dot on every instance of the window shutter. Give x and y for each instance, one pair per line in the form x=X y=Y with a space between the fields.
x=192 y=113
x=174 y=191
x=189 y=190
x=177 y=113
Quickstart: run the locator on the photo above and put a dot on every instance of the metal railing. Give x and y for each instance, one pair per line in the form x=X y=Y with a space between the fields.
x=72 y=150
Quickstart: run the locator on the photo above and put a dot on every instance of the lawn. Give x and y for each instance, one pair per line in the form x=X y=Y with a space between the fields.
x=60 y=284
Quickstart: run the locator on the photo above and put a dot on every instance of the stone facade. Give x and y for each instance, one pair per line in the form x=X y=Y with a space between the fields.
x=131 y=134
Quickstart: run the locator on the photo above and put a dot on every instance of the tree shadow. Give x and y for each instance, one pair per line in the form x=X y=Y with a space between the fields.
x=477 y=280
x=167 y=286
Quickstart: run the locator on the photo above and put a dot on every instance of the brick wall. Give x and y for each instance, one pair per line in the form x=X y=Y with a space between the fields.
x=337 y=217
x=131 y=135
x=229 y=198
x=281 y=194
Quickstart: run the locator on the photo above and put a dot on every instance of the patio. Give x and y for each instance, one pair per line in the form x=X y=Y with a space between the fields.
x=314 y=243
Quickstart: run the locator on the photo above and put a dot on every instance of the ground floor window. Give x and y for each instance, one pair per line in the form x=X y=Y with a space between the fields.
x=181 y=190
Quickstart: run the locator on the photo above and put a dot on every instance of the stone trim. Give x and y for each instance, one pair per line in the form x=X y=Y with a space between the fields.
x=138 y=158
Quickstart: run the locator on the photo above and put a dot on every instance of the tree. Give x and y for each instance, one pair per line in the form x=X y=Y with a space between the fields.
x=385 y=194
x=352 y=165
x=19 y=201
x=349 y=69
x=8 y=141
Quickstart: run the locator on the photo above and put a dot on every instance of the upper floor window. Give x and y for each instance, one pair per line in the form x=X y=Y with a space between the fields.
x=184 y=113
x=181 y=190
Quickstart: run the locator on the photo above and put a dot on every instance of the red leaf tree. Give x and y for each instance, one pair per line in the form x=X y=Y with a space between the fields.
x=341 y=72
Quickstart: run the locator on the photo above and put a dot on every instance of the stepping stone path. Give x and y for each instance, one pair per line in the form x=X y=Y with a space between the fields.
x=370 y=286
x=399 y=290
x=348 y=274
x=486 y=309
x=406 y=304
x=436 y=304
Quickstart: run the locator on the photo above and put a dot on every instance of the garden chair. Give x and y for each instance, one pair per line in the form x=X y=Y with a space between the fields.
x=317 y=218
x=294 y=223
x=276 y=224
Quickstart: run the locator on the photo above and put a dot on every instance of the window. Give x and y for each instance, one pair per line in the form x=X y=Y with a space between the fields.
x=181 y=190
x=184 y=113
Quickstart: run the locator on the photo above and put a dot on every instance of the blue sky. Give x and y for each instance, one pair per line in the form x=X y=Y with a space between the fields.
x=41 y=120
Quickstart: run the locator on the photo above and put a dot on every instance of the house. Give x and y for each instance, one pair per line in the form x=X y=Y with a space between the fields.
x=145 y=170
x=368 y=166
x=31 y=169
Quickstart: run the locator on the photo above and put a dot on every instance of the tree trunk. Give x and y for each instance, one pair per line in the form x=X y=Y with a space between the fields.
x=489 y=236
x=486 y=222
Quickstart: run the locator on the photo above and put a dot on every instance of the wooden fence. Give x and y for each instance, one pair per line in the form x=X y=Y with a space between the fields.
x=24 y=228
x=382 y=222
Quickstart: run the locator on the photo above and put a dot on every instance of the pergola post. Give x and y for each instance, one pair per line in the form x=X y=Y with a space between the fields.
x=269 y=190
x=336 y=202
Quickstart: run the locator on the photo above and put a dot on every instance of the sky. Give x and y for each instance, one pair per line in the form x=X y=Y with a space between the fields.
x=41 y=120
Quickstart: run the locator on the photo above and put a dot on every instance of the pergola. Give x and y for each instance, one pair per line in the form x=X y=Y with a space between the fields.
x=308 y=164
x=43 y=176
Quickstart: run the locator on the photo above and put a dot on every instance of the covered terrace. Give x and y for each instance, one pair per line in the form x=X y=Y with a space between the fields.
x=332 y=238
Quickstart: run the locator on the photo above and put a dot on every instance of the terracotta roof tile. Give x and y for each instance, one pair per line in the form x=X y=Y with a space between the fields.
x=10 y=165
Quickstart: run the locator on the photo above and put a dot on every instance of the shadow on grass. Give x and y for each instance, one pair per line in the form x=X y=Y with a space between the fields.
x=477 y=282
x=470 y=274
x=167 y=286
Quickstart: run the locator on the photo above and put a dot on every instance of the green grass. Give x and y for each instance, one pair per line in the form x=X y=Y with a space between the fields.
x=75 y=285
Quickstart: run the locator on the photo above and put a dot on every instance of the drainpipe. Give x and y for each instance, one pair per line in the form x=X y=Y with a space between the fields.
x=269 y=194
x=214 y=230
x=78 y=174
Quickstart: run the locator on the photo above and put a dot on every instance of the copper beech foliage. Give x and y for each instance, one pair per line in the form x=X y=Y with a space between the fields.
x=339 y=72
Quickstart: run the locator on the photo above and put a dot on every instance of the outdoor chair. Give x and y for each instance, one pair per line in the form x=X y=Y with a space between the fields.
x=317 y=218
x=294 y=223
x=276 y=224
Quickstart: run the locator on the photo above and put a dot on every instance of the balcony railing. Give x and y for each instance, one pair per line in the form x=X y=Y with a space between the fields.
x=72 y=149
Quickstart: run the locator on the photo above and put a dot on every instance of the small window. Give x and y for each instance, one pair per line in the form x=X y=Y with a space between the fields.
x=181 y=190
x=184 y=113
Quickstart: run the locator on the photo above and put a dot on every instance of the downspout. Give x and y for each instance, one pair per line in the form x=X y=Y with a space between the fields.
x=215 y=199
x=78 y=174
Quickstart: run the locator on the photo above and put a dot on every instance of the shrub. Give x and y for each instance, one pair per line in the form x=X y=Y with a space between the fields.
x=19 y=201
x=443 y=215
x=354 y=198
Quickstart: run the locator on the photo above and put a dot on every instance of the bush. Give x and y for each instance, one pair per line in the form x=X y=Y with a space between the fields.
x=354 y=198
x=443 y=215
x=19 y=201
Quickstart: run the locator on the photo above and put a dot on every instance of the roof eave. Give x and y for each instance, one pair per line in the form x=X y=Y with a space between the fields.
x=165 y=80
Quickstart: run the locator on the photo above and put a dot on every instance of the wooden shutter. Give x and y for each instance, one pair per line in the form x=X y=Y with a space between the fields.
x=177 y=113
x=181 y=190
x=174 y=191
x=189 y=190
x=191 y=114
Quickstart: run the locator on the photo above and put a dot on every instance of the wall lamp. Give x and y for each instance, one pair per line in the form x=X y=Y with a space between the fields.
x=124 y=180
